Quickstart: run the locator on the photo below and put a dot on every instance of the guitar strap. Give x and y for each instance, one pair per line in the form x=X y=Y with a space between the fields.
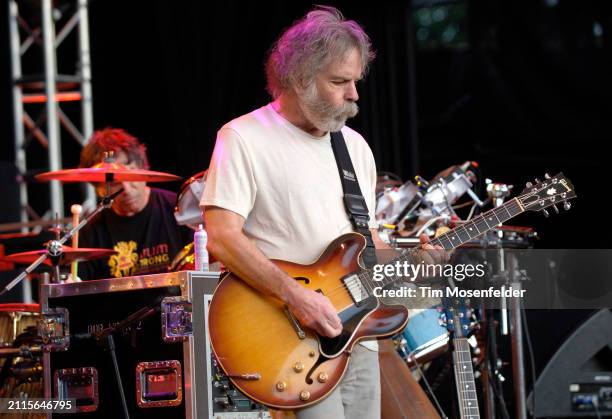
x=354 y=202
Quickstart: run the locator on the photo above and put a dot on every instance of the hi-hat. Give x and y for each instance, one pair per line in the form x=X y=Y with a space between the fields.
x=69 y=255
x=107 y=172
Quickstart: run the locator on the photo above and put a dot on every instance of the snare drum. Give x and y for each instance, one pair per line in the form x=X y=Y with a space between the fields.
x=187 y=210
x=424 y=338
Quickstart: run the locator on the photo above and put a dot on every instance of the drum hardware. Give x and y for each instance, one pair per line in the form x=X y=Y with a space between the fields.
x=55 y=248
x=445 y=191
x=498 y=191
x=108 y=172
x=386 y=181
x=22 y=351
x=395 y=204
x=187 y=210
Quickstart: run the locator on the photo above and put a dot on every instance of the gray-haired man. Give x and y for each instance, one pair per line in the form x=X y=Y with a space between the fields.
x=273 y=190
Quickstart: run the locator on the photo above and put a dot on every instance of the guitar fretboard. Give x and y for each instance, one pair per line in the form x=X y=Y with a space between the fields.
x=450 y=240
x=464 y=376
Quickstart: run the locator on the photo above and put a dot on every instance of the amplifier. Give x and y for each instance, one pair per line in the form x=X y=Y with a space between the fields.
x=136 y=343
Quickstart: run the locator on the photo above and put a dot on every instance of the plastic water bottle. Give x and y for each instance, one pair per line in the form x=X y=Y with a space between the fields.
x=199 y=249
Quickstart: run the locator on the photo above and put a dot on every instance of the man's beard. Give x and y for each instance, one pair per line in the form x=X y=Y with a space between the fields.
x=324 y=115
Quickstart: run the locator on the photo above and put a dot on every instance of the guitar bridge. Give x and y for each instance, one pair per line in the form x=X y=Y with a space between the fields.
x=355 y=288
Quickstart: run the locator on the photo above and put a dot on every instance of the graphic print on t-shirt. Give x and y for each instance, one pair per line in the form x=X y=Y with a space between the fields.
x=124 y=262
x=128 y=262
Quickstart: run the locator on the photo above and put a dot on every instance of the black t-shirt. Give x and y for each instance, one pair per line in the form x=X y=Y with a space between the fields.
x=146 y=242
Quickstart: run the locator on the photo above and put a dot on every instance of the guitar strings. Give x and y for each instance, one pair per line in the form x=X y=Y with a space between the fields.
x=364 y=283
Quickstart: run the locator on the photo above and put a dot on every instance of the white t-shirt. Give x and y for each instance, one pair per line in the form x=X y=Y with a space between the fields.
x=285 y=184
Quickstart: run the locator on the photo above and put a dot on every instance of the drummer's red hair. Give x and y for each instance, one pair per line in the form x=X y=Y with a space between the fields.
x=116 y=140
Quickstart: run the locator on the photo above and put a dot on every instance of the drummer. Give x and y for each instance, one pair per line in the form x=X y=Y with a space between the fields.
x=140 y=225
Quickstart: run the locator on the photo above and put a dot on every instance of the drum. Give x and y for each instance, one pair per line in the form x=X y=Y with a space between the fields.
x=184 y=260
x=424 y=338
x=396 y=203
x=20 y=376
x=14 y=319
x=187 y=210
x=445 y=192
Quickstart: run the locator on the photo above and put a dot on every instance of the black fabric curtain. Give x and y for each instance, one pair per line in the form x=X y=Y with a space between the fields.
x=213 y=57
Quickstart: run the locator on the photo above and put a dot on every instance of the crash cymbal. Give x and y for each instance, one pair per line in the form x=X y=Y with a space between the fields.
x=107 y=172
x=69 y=255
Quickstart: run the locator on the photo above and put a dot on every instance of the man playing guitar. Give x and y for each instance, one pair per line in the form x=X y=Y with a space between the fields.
x=274 y=192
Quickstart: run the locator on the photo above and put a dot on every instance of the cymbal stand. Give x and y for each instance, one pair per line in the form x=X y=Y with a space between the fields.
x=54 y=247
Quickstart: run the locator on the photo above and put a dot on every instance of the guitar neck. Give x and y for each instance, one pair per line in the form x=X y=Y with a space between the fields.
x=479 y=225
x=464 y=377
x=459 y=235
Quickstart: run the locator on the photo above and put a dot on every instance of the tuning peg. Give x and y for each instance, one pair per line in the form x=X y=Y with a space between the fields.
x=556 y=209
x=537 y=180
x=529 y=184
x=546 y=176
x=567 y=205
x=546 y=214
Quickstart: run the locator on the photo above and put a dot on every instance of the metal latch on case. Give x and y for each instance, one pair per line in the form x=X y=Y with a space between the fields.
x=176 y=319
x=54 y=329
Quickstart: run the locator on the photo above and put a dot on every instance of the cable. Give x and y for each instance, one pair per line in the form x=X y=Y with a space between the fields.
x=531 y=356
x=463 y=205
x=492 y=356
x=429 y=389
x=498 y=391
x=596 y=406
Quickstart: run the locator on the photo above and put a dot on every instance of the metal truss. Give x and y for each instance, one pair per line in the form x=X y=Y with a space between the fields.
x=33 y=91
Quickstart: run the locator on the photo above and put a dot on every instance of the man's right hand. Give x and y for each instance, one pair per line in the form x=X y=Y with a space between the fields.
x=315 y=311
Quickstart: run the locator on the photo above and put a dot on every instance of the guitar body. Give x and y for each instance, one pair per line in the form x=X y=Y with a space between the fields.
x=251 y=333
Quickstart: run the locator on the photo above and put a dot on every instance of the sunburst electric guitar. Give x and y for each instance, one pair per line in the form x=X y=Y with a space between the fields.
x=275 y=361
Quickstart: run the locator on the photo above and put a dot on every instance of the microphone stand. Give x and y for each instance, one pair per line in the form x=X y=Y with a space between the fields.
x=54 y=247
x=106 y=339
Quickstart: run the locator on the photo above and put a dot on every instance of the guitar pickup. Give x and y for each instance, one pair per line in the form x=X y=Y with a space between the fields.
x=356 y=289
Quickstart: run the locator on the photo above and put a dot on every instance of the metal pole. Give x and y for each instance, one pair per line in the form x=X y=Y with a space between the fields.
x=19 y=131
x=55 y=155
x=86 y=92
x=18 y=128
x=44 y=306
x=518 y=358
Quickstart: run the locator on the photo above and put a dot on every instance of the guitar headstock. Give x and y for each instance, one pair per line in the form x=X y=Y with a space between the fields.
x=548 y=193
x=459 y=319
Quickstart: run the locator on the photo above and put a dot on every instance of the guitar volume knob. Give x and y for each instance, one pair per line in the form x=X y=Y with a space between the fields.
x=298 y=367
x=304 y=395
x=281 y=386
x=322 y=377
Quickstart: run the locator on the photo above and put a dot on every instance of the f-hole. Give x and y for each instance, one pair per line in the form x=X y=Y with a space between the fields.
x=321 y=359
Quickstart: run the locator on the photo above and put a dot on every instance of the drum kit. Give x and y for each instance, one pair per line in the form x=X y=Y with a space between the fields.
x=404 y=211
x=20 y=342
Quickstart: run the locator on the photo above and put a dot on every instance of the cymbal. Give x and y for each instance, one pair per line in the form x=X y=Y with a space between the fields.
x=69 y=255
x=107 y=172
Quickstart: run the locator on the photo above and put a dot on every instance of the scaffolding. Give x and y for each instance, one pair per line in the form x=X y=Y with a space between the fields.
x=49 y=88
x=46 y=87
